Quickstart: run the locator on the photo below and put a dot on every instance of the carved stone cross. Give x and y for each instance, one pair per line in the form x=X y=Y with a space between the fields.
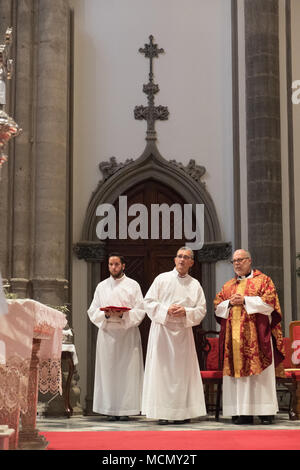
x=151 y=113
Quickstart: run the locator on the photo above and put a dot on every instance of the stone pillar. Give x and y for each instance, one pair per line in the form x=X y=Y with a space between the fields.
x=23 y=177
x=5 y=16
x=263 y=138
x=51 y=146
x=5 y=22
x=34 y=244
x=34 y=191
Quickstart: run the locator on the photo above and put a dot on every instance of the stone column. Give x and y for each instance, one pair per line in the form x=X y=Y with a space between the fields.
x=5 y=196
x=263 y=138
x=23 y=177
x=34 y=251
x=34 y=191
x=50 y=250
x=5 y=16
x=50 y=244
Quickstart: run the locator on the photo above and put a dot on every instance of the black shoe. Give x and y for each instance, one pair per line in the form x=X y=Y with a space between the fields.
x=243 y=419
x=113 y=418
x=182 y=421
x=163 y=422
x=124 y=418
x=267 y=419
x=234 y=418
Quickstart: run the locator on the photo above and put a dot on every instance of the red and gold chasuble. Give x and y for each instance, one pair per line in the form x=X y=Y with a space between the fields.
x=245 y=347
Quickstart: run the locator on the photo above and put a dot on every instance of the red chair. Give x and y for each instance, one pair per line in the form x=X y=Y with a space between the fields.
x=291 y=366
x=208 y=355
x=295 y=344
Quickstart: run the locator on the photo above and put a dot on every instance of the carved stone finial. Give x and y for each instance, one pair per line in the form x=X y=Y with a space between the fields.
x=111 y=167
x=151 y=113
x=150 y=51
x=192 y=169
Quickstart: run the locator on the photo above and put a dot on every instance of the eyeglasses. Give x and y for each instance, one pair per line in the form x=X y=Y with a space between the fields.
x=239 y=260
x=185 y=257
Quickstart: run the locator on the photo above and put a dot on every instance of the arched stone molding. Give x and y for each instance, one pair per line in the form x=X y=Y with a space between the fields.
x=151 y=165
x=117 y=179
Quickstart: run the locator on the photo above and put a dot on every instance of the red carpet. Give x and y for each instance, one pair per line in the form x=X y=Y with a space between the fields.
x=175 y=440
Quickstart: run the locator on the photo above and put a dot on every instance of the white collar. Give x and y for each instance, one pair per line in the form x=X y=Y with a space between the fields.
x=118 y=279
x=246 y=277
x=178 y=275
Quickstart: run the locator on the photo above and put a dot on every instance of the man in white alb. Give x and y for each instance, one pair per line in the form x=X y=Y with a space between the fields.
x=119 y=368
x=251 y=342
x=175 y=302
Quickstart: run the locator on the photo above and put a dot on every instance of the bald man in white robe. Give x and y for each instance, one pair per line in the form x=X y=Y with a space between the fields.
x=175 y=302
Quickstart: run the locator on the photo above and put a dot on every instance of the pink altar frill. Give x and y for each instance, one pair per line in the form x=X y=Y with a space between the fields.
x=25 y=320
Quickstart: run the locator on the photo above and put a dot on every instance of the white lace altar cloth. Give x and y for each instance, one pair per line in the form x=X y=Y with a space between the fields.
x=27 y=319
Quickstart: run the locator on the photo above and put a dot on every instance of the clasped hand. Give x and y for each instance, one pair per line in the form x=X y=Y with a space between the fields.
x=236 y=299
x=176 y=311
x=114 y=313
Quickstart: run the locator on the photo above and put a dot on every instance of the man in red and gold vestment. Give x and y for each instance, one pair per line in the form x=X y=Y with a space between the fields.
x=251 y=342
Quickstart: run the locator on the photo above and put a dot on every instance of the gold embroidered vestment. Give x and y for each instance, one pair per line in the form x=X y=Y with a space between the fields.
x=245 y=339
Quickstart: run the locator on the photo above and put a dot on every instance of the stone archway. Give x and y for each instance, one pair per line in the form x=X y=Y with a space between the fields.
x=119 y=179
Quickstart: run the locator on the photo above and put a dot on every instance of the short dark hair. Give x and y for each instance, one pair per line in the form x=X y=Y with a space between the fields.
x=121 y=257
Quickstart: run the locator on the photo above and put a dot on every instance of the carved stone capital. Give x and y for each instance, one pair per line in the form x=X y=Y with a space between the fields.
x=90 y=251
x=214 y=251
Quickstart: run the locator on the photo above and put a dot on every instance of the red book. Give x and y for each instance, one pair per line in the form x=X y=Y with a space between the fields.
x=111 y=307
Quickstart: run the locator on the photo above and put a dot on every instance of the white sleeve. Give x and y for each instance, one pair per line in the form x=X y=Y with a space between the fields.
x=254 y=304
x=222 y=309
x=136 y=314
x=195 y=315
x=156 y=311
x=96 y=315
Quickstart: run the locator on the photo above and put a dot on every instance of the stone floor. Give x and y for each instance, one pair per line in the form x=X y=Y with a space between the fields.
x=140 y=423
